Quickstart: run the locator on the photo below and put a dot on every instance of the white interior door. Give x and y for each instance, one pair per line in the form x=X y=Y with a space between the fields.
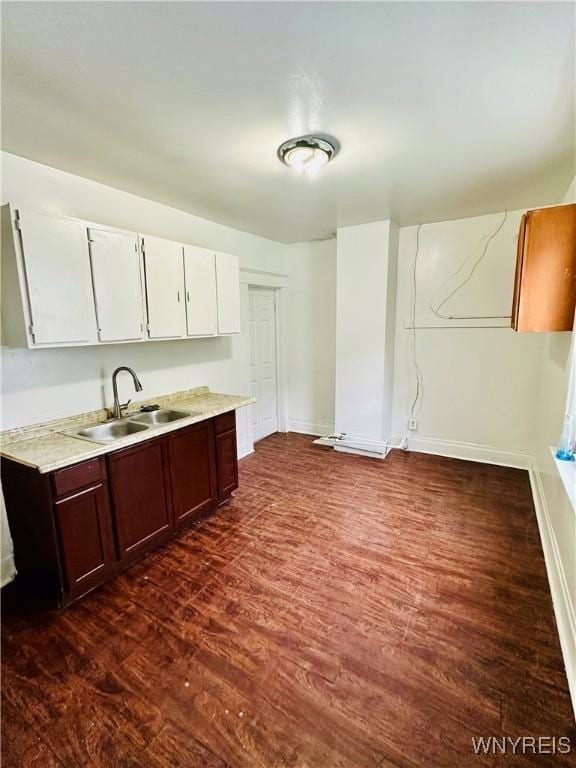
x=164 y=266
x=57 y=264
x=117 y=275
x=262 y=325
x=228 y=289
x=201 y=309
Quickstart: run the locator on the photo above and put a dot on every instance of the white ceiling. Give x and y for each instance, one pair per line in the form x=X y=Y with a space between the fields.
x=443 y=110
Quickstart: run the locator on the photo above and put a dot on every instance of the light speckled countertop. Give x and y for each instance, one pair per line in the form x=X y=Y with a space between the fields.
x=47 y=447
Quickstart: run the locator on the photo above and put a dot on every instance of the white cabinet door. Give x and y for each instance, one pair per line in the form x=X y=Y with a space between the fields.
x=57 y=264
x=117 y=276
x=228 y=288
x=201 y=308
x=164 y=267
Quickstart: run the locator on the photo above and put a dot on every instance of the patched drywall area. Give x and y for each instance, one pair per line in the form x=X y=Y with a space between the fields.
x=461 y=373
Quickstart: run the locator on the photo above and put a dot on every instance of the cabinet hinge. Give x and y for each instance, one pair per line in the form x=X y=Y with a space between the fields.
x=18 y=224
x=31 y=329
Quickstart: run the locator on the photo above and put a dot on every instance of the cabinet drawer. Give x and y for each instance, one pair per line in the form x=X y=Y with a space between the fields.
x=225 y=422
x=71 y=479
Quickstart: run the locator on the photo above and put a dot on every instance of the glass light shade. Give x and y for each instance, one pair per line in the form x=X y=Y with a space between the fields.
x=306 y=160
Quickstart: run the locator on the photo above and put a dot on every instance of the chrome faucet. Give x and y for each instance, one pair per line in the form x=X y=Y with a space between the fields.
x=118 y=406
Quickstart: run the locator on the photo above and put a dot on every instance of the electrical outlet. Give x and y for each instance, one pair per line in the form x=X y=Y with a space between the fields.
x=412 y=425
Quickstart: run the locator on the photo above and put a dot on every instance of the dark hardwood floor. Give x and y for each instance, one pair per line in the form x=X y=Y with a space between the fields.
x=338 y=612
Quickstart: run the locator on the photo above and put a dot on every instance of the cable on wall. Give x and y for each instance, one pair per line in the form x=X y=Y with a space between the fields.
x=419 y=381
x=436 y=309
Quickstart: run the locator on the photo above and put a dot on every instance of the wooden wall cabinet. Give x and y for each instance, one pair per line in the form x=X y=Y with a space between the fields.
x=68 y=282
x=545 y=285
x=118 y=280
x=227 y=282
x=164 y=267
x=51 y=284
x=201 y=303
x=75 y=528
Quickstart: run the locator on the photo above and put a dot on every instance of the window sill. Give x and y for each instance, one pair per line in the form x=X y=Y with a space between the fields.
x=567 y=472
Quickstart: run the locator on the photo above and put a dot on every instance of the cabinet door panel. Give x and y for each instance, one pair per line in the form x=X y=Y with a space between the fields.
x=545 y=287
x=201 y=308
x=85 y=536
x=140 y=496
x=228 y=289
x=164 y=267
x=57 y=264
x=117 y=275
x=192 y=470
x=227 y=463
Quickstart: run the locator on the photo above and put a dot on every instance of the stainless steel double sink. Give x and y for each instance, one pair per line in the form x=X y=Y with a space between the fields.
x=110 y=431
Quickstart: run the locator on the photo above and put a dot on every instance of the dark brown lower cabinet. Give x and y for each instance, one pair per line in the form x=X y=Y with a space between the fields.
x=226 y=454
x=85 y=537
x=227 y=464
x=192 y=470
x=139 y=486
x=76 y=527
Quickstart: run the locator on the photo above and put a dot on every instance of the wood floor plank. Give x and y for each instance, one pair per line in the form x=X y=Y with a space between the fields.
x=339 y=612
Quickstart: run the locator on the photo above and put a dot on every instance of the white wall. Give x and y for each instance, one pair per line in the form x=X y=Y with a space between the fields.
x=479 y=383
x=311 y=341
x=39 y=385
x=557 y=516
x=365 y=298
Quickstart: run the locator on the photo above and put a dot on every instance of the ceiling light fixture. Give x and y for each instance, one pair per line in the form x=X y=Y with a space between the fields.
x=307 y=154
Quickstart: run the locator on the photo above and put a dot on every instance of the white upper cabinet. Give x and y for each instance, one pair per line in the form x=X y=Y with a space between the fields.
x=164 y=268
x=117 y=276
x=201 y=307
x=67 y=282
x=228 y=292
x=56 y=261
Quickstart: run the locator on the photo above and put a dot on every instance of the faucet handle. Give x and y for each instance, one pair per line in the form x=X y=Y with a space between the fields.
x=124 y=406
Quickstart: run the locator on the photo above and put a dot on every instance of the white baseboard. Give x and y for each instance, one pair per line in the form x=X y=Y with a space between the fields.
x=467 y=451
x=310 y=428
x=563 y=608
x=245 y=450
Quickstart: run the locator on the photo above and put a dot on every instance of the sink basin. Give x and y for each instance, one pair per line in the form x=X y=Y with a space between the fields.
x=112 y=430
x=162 y=416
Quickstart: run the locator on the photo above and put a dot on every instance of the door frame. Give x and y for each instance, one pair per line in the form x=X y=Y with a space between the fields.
x=280 y=400
x=279 y=282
